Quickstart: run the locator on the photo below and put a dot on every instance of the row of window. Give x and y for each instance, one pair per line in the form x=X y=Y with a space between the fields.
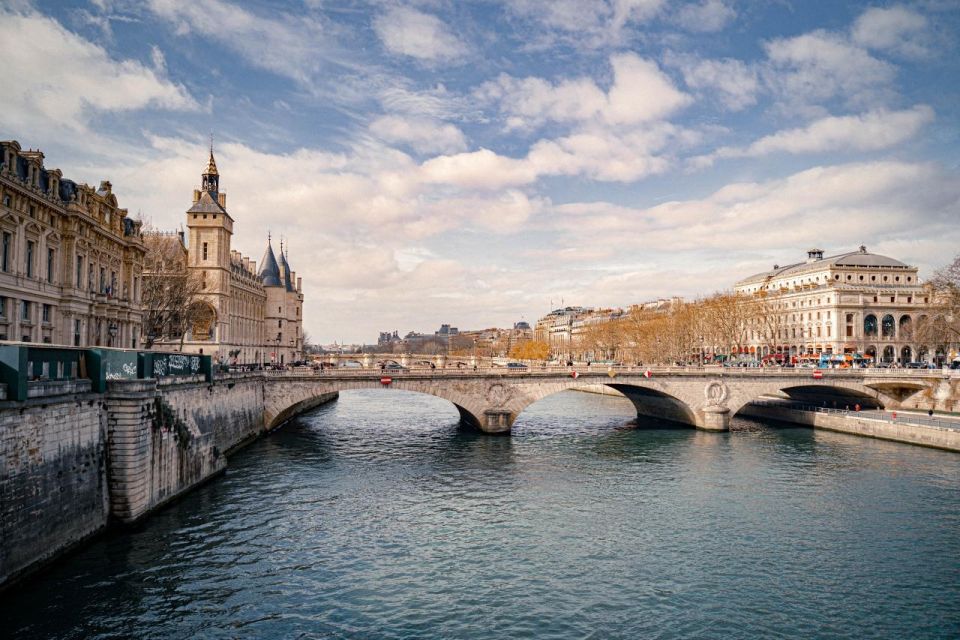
x=25 y=310
x=107 y=281
x=6 y=257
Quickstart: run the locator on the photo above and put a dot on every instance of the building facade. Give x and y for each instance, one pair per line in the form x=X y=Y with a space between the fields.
x=240 y=315
x=71 y=260
x=854 y=302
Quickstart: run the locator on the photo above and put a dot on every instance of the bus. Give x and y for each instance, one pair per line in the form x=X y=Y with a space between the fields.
x=843 y=360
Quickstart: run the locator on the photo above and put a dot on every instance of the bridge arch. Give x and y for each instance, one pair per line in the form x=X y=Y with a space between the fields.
x=289 y=397
x=648 y=401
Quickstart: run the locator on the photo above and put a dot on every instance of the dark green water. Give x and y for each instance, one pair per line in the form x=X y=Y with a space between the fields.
x=378 y=517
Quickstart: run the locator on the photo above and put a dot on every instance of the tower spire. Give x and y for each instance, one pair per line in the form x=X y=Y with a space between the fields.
x=211 y=177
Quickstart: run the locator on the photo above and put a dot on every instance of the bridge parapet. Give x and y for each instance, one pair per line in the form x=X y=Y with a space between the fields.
x=491 y=398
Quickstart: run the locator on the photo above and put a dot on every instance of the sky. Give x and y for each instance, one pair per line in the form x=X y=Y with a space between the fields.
x=479 y=162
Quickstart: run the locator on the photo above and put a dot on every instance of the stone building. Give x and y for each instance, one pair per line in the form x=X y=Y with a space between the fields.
x=283 y=314
x=242 y=315
x=854 y=302
x=556 y=329
x=71 y=259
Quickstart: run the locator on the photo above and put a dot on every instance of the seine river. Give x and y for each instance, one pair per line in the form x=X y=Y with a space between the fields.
x=378 y=517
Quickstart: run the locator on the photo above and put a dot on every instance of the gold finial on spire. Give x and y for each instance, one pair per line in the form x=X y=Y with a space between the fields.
x=211 y=164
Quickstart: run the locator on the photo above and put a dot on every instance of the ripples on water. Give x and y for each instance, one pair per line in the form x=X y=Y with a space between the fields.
x=379 y=517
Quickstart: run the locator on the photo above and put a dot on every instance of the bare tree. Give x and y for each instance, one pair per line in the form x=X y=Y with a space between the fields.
x=169 y=289
x=943 y=323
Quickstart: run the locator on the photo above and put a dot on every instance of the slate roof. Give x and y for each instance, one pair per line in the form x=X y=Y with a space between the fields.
x=269 y=270
x=861 y=258
x=207 y=204
x=286 y=272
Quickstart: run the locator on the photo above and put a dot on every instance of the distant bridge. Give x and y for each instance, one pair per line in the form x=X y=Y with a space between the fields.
x=491 y=398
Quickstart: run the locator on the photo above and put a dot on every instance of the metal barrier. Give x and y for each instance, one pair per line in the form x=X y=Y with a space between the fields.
x=22 y=364
x=606 y=370
x=909 y=416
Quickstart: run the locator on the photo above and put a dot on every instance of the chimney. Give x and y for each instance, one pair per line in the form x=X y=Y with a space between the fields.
x=299 y=284
x=222 y=199
x=196 y=195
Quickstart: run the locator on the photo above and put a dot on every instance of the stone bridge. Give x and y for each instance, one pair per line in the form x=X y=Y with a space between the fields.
x=491 y=399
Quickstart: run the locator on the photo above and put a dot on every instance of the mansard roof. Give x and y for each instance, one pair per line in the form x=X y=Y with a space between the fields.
x=269 y=270
x=860 y=258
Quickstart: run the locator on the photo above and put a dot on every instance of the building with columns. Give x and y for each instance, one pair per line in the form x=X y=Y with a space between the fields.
x=71 y=259
x=853 y=302
x=241 y=315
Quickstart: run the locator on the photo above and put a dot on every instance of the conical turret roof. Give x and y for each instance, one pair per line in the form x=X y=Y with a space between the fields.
x=269 y=270
x=285 y=270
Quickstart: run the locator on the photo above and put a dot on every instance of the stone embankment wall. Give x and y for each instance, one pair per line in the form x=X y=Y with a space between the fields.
x=72 y=461
x=53 y=486
x=924 y=435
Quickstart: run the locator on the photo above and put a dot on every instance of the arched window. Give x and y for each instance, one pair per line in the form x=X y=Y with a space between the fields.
x=870 y=325
x=888 y=353
x=888 y=327
x=906 y=327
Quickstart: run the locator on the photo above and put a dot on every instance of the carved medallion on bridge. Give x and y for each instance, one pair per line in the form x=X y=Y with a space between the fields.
x=498 y=395
x=716 y=393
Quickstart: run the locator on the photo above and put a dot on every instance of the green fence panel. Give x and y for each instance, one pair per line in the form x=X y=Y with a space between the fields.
x=53 y=363
x=119 y=364
x=13 y=371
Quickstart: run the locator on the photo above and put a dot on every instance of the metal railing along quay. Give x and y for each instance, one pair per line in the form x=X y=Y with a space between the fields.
x=908 y=416
x=612 y=371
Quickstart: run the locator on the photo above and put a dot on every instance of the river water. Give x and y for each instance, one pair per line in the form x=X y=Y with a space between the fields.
x=377 y=516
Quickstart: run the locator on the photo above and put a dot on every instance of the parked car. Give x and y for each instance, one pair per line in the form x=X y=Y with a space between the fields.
x=516 y=366
x=393 y=366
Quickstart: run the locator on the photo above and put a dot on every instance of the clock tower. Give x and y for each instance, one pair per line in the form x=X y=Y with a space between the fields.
x=210 y=229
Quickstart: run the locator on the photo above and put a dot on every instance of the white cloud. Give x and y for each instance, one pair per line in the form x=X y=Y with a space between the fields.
x=294 y=46
x=53 y=78
x=895 y=29
x=482 y=169
x=406 y=31
x=640 y=92
x=816 y=67
x=705 y=16
x=731 y=82
x=870 y=202
x=586 y=15
x=425 y=135
x=585 y=23
x=600 y=153
x=869 y=131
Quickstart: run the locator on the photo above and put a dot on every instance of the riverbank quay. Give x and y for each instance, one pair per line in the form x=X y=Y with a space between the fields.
x=939 y=432
x=94 y=438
